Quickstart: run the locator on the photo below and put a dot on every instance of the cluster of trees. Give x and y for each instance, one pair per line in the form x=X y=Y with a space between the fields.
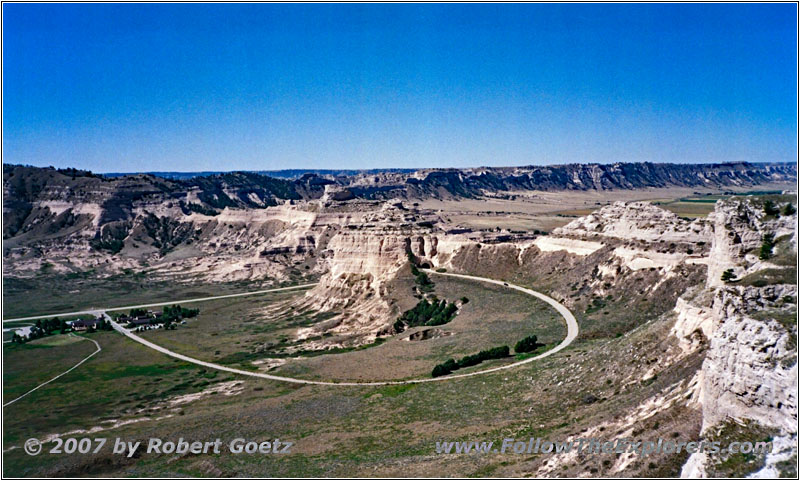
x=422 y=280
x=173 y=314
x=169 y=316
x=426 y=313
x=42 y=328
x=112 y=245
x=102 y=325
x=47 y=327
x=451 y=365
x=190 y=207
x=72 y=172
x=770 y=208
x=527 y=344
x=176 y=313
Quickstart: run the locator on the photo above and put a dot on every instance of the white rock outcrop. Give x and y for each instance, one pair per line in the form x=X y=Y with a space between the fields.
x=637 y=220
x=750 y=369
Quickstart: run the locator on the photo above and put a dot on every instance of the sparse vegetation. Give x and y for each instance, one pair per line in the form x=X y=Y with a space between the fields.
x=770 y=208
x=766 y=277
x=768 y=242
x=190 y=207
x=597 y=304
x=549 y=397
x=738 y=465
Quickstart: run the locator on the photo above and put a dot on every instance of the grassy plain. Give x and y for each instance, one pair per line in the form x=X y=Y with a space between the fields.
x=52 y=293
x=242 y=333
x=545 y=211
x=493 y=316
x=28 y=365
x=342 y=431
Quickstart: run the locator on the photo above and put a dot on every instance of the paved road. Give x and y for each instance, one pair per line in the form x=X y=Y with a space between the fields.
x=157 y=304
x=572 y=333
x=65 y=372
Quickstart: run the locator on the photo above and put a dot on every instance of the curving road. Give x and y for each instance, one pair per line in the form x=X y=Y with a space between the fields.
x=572 y=333
x=63 y=373
x=159 y=304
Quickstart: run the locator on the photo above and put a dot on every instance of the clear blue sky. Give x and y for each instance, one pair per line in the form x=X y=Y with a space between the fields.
x=225 y=87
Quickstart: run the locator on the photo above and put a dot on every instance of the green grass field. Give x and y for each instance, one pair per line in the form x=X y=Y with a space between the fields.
x=337 y=431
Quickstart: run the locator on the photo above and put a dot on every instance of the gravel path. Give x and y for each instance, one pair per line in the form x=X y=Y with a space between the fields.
x=572 y=333
x=158 y=304
x=65 y=372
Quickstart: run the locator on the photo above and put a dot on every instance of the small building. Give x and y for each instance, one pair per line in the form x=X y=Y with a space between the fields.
x=140 y=321
x=85 y=324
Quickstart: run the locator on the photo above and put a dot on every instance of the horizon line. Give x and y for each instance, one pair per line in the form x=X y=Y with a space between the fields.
x=404 y=169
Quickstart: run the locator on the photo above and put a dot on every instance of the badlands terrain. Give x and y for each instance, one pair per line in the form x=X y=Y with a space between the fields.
x=636 y=252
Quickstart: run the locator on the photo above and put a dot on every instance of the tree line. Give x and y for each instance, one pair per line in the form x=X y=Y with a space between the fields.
x=524 y=345
x=46 y=327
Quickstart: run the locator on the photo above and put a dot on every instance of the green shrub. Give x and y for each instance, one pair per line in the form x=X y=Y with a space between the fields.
x=789 y=209
x=770 y=208
x=450 y=364
x=444 y=369
x=728 y=275
x=423 y=279
x=527 y=344
x=498 y=352
x=471 y=360
x=768 y=242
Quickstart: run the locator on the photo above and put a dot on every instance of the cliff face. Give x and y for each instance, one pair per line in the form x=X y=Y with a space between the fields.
x=748 y=327
x=74 y=221
x=368 y=278
x=751 y=364
x=583 y=268
x=475 y=182
x=739 y=227
x=71 y=220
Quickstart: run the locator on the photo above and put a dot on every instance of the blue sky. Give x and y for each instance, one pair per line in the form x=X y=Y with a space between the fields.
x=268 y=86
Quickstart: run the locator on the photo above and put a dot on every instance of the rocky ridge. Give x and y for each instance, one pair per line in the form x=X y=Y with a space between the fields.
x=750 y=370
